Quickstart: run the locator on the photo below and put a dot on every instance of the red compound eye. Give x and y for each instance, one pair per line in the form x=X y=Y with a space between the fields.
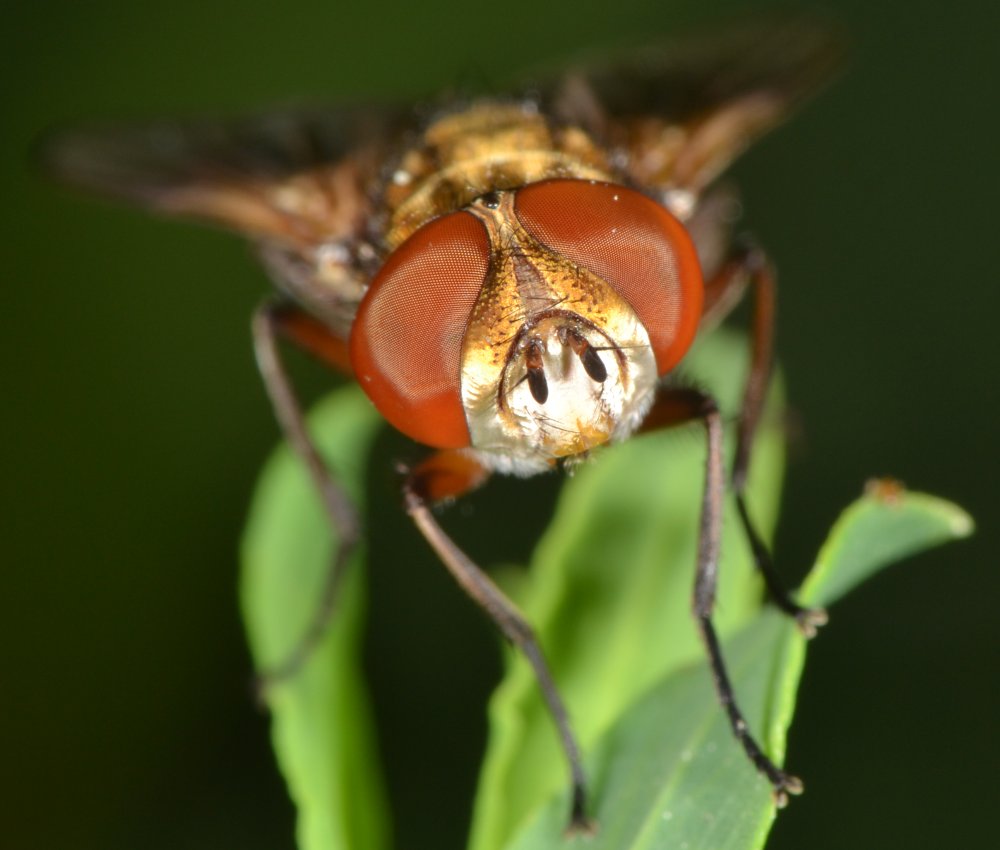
x=406 y=342
x=632 y=243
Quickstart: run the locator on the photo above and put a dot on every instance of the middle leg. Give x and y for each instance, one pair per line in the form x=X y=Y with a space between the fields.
x=686 y=405
x=749 y=268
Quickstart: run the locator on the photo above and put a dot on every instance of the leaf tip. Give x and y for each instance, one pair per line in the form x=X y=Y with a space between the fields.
x=893 y=493
x=960 y=523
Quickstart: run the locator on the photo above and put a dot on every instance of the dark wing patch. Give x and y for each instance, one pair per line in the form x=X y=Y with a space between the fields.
x=290 y=174
x=712 y=95
x=680 y=79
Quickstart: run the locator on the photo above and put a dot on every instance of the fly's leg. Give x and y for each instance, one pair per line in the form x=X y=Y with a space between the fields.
x=749 y=267
x=675 y=407
x=449 y=474
x=271 y=321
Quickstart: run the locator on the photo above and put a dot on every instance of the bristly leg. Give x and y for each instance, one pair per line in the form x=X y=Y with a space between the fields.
x=749 y=265
x=447 y=475
x=704 y=408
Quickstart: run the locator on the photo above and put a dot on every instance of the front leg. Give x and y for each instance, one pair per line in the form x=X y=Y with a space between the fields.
x=447 y=475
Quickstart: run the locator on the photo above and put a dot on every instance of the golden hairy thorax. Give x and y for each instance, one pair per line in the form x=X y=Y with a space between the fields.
x=486 y=147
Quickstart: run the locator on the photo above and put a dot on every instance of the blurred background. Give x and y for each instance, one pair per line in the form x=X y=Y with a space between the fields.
x=134 y=424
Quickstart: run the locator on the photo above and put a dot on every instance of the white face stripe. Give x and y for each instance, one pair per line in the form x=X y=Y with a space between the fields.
x=524 y=436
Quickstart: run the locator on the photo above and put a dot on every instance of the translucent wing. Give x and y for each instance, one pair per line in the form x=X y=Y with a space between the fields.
x=684 y=109
x=297 y=175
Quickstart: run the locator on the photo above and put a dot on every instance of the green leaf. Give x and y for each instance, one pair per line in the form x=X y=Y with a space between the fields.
x=888 y=524
x=668 y=772
x=321 y=721
x=665 y=770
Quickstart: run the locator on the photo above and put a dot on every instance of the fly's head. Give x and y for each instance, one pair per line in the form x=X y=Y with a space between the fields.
x=532 y=324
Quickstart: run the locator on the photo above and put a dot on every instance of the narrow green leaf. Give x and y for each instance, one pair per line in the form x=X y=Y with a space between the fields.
x=321 y=726
x=886 y=525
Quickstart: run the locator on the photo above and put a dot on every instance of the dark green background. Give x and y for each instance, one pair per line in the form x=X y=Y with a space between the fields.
x=133 y=425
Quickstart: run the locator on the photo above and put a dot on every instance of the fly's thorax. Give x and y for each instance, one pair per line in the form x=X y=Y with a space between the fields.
x=554 y=361
x=486 y=146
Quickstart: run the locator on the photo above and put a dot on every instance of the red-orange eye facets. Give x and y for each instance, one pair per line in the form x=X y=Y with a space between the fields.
x=406 y=343
x=631 y=242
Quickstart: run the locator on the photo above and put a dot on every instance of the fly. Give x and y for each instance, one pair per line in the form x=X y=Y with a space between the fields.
x=509 y=279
